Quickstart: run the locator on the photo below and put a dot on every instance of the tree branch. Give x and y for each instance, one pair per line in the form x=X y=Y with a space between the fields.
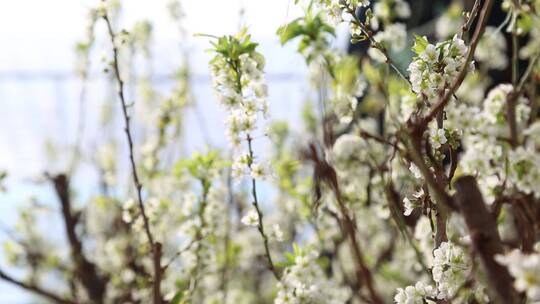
x=485 y=238
x=155 y=246
x=35 y=289
x=85 y=270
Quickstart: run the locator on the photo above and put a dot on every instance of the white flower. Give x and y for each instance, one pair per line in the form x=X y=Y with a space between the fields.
x=277 y=233
x=257 y=171
x=409 y=206
x=394 y=37
x=402 y=8
x=128 y=210
x=525 y=269
x=491 y=49
x=524 y=173
x=436 y=66
x=430 y=54
x=417 y=294
x=415 y=171
x=242 y=90
x=347 y=147
x=251 y=218
x=437 y=137
x=450 y=268
x=305 y=282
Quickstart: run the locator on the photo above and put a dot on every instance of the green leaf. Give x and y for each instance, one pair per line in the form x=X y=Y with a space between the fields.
x=177 y=298
x=420 y=44
x=289 y=31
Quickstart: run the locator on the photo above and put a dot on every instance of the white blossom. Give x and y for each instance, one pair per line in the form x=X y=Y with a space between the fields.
x=491 y=49
x=251 y=218
x=450 y=269
x=305 y=282
x=437 y=137
x=415 y=171
x=525 y=269
x=420 y=293
x=435 y=68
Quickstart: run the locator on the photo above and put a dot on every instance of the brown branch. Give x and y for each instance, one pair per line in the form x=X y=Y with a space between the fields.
x=470 y=18
x=363 y=272
x=86 y=271
x=325 y=173
x=35 y=289
x=453 y=165
x=485 y=238
x=155 y=246
x=414 y=145
x=440 y=214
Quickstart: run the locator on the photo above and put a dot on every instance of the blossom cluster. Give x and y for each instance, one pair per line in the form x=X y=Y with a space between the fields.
x=416 y=294
x=436 y=66
x=366 y=221
x=450 y=267
x=238 y=80
x=305 y=282
x=239 y=84
x=525 y=269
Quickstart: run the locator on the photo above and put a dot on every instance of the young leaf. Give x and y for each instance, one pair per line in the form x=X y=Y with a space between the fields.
x=420 y=44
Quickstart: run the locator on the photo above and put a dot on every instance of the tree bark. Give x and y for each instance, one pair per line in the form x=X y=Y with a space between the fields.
x=485 y=239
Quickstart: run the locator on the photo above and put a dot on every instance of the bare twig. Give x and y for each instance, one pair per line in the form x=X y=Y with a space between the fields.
x=470 y=18
x=255 y=204
x=375 y=44
x=155 y=246
x=350 y=230
x=177 y=254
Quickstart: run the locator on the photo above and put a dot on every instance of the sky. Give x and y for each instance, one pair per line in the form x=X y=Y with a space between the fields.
x=38 y=91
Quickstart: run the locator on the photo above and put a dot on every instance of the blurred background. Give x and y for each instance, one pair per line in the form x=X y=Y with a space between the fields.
x=40 y=91
x=42 y=116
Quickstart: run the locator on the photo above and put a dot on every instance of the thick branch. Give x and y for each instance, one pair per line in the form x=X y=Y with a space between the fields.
x=85 y=270
x=485 y=238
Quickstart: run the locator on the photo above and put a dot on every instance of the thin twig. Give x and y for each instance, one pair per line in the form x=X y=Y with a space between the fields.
x=155 y=246
x=177 y=254
x=375 y=44
x=470 y=18
x=235 y=65
x=255 y=204
x=35 y=289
